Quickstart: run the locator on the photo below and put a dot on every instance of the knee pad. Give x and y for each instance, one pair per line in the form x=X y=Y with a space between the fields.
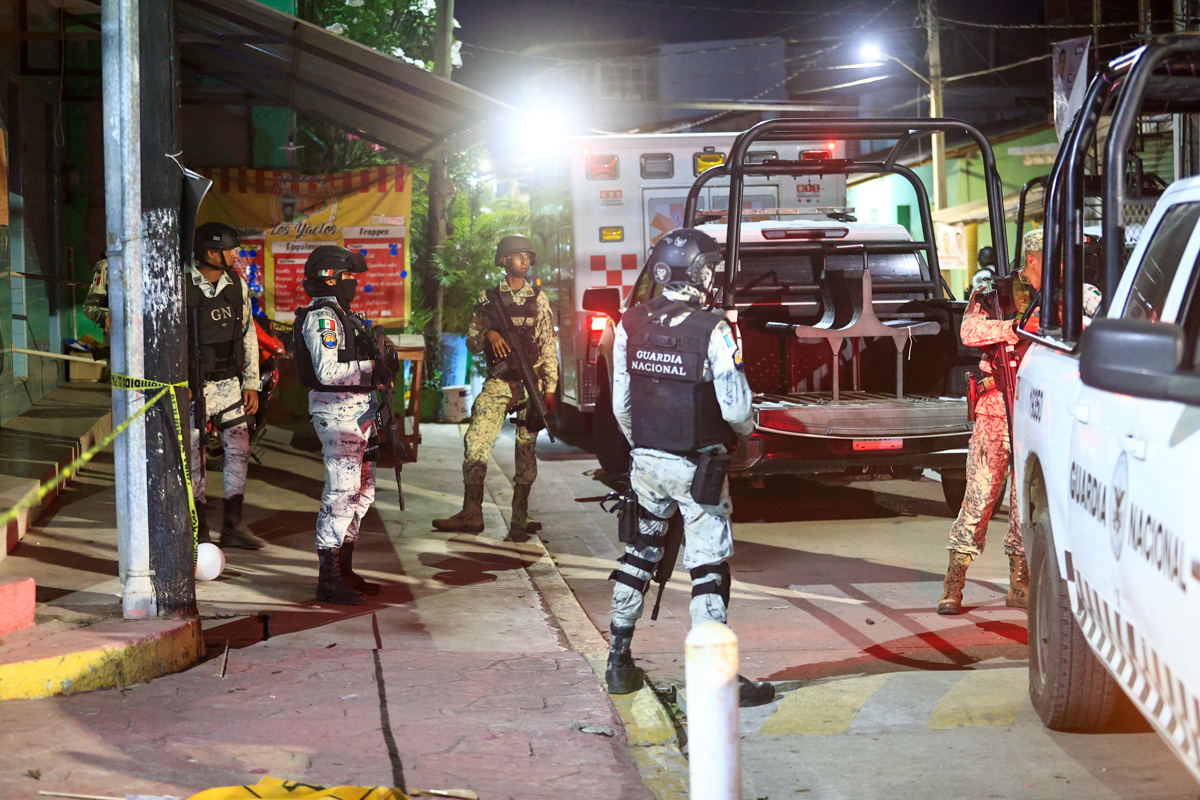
x=702 y=587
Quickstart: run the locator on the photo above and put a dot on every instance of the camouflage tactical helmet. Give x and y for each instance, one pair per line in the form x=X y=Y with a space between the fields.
x=515 y=243
x=1032 y=242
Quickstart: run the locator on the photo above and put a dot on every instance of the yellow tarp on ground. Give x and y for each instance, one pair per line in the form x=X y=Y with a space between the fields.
x=278 y=789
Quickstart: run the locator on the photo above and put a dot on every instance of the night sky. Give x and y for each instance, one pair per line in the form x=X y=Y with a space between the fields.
x=519 y=24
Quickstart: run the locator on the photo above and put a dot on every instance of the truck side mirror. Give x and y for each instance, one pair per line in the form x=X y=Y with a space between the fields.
x=1138 y=358
x=987 y=257
x=603 y=300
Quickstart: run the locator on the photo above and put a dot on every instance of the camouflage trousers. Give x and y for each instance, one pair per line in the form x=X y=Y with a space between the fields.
x=987 y=464
x=494 y=403
x=222 y=403
x=663 y=483
x=349 y=447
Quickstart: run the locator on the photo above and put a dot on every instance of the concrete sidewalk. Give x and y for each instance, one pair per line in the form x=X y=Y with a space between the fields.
x=473 y=668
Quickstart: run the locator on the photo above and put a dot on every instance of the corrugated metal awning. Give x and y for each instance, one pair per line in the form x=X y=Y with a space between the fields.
x=277 y=59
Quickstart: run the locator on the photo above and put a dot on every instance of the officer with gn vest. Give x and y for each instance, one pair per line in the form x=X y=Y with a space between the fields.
x=680 y=397
x=339 y=358
x=219 y=300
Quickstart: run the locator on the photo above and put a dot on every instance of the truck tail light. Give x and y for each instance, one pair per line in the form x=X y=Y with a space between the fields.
x=777 y=420
x=807 y=234
x=596 y=326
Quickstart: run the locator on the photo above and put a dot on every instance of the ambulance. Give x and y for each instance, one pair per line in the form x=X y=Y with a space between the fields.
x=601 y=207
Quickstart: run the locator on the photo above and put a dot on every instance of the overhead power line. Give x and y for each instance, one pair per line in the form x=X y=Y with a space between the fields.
x=1036 y=27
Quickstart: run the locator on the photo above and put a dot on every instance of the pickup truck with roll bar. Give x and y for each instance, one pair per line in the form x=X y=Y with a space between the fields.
x=848 y=330
x=1106 y=428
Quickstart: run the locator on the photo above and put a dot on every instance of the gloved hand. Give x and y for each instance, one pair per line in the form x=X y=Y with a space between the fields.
x=385 y=352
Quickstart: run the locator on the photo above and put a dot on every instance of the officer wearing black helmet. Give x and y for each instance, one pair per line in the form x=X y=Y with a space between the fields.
x=336 y=354
x=503 y=393
x=681 y=398
x=219 y=300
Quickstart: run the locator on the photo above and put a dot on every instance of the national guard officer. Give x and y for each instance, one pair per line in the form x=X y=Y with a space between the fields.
x=680 y=397
x=989 y=451
x=226 y=356
x=337 y=358
x=503 y=393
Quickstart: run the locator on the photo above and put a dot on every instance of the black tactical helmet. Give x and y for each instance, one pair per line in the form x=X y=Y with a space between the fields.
x=216 y=236
x=515 y=243
x=329 y=259
x=685 y=255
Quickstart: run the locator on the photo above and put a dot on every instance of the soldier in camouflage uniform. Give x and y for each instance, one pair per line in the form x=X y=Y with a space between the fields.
x=503 y=393
x=679 y=395
x=337 y=358
x=989 y=452
x=228 y=354
x=95 y=305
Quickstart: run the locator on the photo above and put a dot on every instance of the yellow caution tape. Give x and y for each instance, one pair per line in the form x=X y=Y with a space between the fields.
x=276 y=789
x=126 y=383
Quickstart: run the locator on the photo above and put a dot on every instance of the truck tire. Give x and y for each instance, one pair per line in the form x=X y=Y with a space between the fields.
x=954 y=490
x=1069 y=687
x=612 y=448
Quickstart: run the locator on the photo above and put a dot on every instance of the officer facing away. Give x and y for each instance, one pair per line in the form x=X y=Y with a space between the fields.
x=337 y=356
x=680 y=397
x=503 y=393
x=228 y=364
x=989 y=451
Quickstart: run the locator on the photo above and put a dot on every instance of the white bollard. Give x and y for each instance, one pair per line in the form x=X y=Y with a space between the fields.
x=713 y=728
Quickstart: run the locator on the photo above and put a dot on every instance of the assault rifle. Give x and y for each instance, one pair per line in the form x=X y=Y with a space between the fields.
x=1003 y=369
x=518 y=359
x=387 y=364
x=666 y=564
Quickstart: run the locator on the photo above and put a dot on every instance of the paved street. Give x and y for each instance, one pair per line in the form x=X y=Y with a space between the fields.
x=834 y=589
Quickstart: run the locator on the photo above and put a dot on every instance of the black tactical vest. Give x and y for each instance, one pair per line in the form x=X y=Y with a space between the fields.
x=222 y=350
x=353 y=330
x=673 y=407
x=524 y=320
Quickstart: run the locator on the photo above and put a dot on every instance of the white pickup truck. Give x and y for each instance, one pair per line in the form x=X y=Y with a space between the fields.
x=1106 y=441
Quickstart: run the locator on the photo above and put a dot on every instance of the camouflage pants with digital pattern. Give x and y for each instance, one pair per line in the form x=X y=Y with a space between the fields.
x=987 y=464
x=493 y=404
x=349 y=447
x=222 y=402
x=663 y=483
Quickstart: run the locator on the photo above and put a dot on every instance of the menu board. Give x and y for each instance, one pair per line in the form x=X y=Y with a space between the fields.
x=289 y=258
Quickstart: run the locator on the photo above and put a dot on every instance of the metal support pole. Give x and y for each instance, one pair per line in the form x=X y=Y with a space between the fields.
x=142 y=195
x=714 y=736
x=123 y=219
x=936 y=108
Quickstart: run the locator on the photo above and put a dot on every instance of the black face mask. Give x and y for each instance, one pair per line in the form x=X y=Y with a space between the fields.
x=344 y=290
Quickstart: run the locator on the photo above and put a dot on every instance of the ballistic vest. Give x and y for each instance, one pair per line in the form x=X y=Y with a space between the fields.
x=221 y=327
x=524 y=320
x=674 y=408
x=354 y=350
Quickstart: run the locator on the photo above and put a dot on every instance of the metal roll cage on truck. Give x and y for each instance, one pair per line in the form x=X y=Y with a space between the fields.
x=1107 y=419
x=847 y=328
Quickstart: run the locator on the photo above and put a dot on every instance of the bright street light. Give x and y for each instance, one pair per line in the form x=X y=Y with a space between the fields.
x=870 y=52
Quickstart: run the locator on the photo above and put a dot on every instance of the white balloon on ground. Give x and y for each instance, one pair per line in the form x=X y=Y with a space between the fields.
x=210 y=562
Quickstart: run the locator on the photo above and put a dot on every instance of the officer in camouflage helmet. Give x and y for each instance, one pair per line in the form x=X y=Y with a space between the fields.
x=228 y=360
x=989 y=452
x=680 y=397
x=503 y=393
x=337 y=356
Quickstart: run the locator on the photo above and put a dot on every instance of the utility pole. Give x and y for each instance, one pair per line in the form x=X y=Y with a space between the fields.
x=143 y=191
x=933 y=55
x=439 y=174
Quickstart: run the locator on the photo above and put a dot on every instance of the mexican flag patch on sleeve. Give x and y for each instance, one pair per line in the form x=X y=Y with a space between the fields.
x=324 y=324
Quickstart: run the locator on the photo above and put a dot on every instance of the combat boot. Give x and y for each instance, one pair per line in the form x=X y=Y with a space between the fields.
x=622 y=675
x=470 y=519
x=754 y=693
x=950 y=603
x=1018 y=582
x=346 y=564
x=233 y=532
x=331 y=584
x=521 y=522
